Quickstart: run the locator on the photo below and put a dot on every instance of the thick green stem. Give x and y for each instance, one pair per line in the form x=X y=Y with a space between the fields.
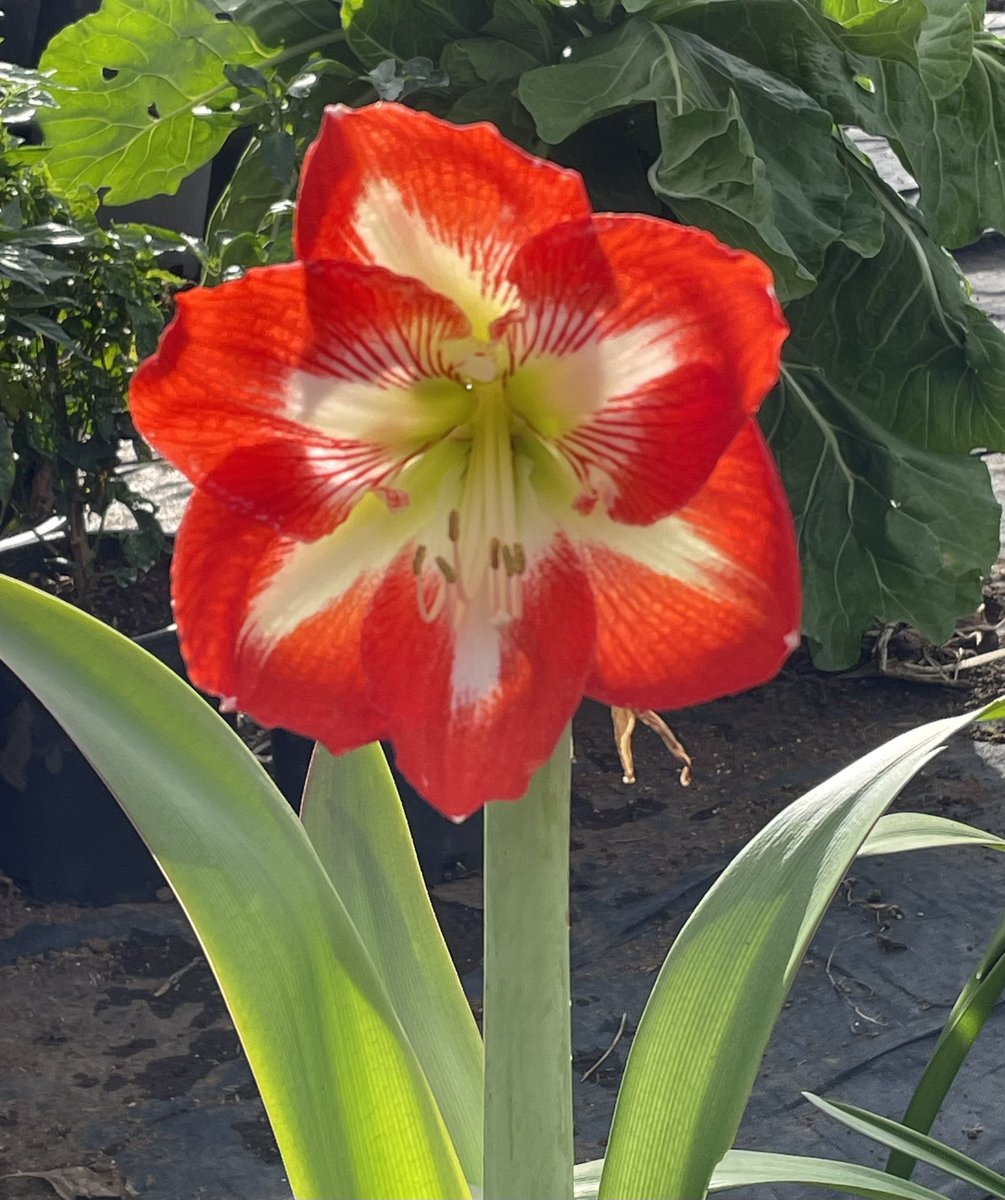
x=528 y=1051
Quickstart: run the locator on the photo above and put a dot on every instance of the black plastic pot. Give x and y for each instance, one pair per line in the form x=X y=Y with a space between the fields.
x=445 y=850
x=63 y=835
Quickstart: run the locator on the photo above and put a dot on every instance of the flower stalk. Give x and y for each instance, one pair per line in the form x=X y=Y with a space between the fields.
x=528 y=1045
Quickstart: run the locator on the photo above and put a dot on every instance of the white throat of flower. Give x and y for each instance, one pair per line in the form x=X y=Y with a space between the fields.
x=484 y=551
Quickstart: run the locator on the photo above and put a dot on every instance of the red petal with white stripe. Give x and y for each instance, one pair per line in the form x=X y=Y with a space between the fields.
x=309 y=678
x=293 y=391
x=474 y=712
x=701 y=604
x=443 y=203
x=642 y=349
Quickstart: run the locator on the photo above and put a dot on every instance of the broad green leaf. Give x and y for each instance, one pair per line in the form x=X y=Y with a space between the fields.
x=540 y=30
x=884 y=28
x=377 y=30
x=355 y=822
x=747 y=1168
x=946 y=124
x=127 y=78
x=526 y=996
x=473 y=62
x=868 y=412
x=932 y=367
x=695 y=1056
x=974 y=1005
x=953 y=146
x=946 y=42
x=287 y=22
x=898 y=832
x=347 y=1100
x=727 y=161
x=899 y=1137
x=887 y=531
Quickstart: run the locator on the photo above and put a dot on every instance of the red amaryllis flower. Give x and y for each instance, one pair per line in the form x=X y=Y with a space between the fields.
x=477 y=453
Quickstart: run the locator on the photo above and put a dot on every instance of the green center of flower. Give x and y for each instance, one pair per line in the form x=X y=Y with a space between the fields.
x=484 y=559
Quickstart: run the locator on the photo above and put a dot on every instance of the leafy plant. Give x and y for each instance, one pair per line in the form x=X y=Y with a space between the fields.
x=728 y=114
x=79 y=307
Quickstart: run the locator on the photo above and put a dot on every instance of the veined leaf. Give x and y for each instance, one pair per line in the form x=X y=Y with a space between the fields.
x=887 y=531
x=932 y=367
x=695 y=1056
x=286 y=22
x=127 y=78
x=726 y=161
x=347 y=1100
x=954 y=146
x=884 y=28
x=945 y=123
x=377 y=30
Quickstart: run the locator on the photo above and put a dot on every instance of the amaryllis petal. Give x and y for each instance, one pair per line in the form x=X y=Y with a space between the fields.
x=442 y=203
x=306 y=675
x=475 y=707
x=641 y=369
x=704 y=603
x=293 y=391
x=478 y=453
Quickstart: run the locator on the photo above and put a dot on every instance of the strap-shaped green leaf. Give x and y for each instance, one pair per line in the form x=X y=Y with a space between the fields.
x=901 y=831
x=353 y=816
x=747 y=1168
x=347 y=1099
x=700 y=1041
x=909 y=1141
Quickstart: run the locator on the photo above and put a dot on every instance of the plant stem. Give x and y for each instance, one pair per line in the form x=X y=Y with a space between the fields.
x=528 y=1048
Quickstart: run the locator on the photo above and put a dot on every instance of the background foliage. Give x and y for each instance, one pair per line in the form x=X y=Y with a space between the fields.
x=728 y=114
x=79 y=307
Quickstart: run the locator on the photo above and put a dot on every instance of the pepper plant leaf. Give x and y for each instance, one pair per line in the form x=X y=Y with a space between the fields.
x=127 y=78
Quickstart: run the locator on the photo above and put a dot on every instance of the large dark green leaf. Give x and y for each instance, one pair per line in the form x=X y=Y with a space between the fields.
x=127 y=79
x=402 y=29
x=727 y=160
x=887 y=531
x=954 y=146
x=945 y=123
x=286 y=22
x=878 y=27
x=899 y=335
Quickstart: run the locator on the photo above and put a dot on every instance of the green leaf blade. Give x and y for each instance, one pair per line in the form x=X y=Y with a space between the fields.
x=690 y=1072
x=348 y=1102
x=354 y=819
x=899 y=1137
